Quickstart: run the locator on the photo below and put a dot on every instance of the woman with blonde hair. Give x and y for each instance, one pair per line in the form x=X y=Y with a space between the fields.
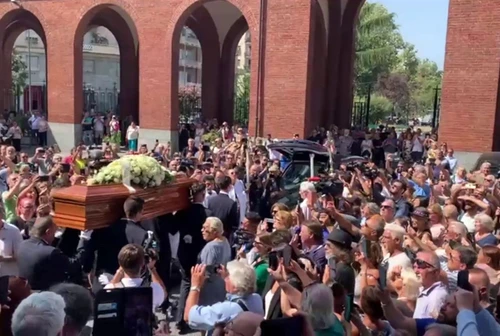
x=283 y=220
x=484 y=228
x=437 y=225
x=407 y=286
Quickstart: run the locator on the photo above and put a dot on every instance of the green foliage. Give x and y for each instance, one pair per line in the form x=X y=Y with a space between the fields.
x=189 y=103
x=377 y=44
x=391 y=67
x=380 y=108
x=211 y=136
x=242 y=98
x=19 y=74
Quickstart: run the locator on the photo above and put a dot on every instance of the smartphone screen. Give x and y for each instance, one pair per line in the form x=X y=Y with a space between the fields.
x=288 y=326
x=349 y=305
x=273 y=260
x=270 y=224
x=4 y=290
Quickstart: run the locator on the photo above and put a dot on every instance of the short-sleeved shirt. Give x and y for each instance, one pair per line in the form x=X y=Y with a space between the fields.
x=10 y=239
x=9 y=206
x=430 y=301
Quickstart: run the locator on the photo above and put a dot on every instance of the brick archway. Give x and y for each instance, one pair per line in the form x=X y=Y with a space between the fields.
x=196 y=16
x=117 y=21
x=202 y=24
x=11 y=25
x=228 y=75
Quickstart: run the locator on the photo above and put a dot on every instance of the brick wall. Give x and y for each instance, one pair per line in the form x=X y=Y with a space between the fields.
x=469 y=102
x=151 y=76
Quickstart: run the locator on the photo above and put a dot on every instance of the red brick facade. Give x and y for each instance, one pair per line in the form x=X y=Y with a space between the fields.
x=305 y=73
x=470 y=106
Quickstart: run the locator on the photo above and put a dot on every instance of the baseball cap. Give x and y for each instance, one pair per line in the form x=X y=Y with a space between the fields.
x=341 y=238
x=420 y=212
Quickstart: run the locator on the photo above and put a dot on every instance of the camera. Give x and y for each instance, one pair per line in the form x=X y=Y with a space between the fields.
x=334 y=188
x=243 y=238
x=371 y=173
x=151 y=248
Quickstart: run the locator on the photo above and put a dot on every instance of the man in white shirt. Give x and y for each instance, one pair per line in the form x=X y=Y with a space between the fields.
x=132 y=261
x=34 y=121
x=417 y=149
x=392 y=241
x=238 y=193
x=10 y=239
x=308 y=193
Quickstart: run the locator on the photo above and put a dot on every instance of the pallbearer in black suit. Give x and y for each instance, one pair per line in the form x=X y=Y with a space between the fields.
x=224 y=208
x=190 y=222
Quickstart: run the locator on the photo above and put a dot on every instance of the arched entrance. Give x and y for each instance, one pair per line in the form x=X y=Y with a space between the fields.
x=120 y=97
x=15 y=90
x=219 y=26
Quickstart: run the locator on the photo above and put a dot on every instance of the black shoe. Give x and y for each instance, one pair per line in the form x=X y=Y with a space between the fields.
x=183 y=328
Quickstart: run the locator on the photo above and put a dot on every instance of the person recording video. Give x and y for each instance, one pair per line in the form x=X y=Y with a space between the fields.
x=132 y=261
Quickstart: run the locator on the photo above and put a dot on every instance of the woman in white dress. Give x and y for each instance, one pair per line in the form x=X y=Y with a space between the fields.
x=198 y=133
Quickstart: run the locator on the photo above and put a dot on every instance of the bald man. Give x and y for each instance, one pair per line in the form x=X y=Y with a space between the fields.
x=480 y=279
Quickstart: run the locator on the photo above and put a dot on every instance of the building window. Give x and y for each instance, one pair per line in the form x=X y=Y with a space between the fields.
x=88 y=66
x=34 y=63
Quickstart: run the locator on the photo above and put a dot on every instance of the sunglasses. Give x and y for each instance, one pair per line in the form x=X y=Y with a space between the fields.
x=386 y=207
x=422 y=264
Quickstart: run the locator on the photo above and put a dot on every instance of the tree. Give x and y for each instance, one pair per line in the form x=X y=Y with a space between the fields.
x=427 y=79
x=189 y=103
x=380 y=109
x=242 y=98
x=19 y=76
x=378 y=42
x=408 y=60
x=396 y=89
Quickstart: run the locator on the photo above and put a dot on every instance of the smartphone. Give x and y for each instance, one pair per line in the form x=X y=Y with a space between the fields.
x=44 y=178
x=273 y=260
x=332 y=265
x=65 y=168
x=382 y=277
x=4 y=290
x=286 y=252
x=366 y=248
x=287 y=326
x=270 y=224
x=463 y=280
x=299 y=209
x=349 y=306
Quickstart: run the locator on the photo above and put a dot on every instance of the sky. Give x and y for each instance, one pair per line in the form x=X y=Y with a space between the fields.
x=422 y=23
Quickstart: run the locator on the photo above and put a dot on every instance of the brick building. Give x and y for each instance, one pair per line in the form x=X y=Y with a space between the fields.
x=301 y=59
x=470 y=118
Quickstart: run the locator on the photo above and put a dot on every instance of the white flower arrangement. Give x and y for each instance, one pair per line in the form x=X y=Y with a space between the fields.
x=144 y=170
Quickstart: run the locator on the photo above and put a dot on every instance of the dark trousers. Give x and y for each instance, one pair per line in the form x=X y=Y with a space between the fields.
x=183 y=295
x=417 y=156
x=42 y=139
x=17 y=144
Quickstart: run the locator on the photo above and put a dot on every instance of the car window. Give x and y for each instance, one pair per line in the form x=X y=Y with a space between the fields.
x=296 y=173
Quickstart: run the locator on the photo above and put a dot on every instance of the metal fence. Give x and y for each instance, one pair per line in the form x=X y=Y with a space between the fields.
x=360 y=112
x=189 y=109
x=101 y=100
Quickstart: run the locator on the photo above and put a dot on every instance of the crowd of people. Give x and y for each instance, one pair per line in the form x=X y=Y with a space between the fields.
x=408 y=245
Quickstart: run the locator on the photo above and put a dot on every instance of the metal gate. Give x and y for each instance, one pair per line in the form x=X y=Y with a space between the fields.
x=101 y=100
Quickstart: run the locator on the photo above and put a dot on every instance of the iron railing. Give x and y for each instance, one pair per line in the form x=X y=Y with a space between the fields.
x=101 y=100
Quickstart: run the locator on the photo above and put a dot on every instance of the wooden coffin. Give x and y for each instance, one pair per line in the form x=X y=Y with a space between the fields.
x=90 y=207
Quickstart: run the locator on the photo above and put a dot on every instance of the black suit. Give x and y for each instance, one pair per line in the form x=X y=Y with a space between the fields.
x=189 y=222
x=224 y=208
x=44 y=265
x=274 y=310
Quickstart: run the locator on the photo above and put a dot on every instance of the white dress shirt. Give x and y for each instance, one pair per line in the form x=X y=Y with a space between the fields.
x=158 y=293
x=10 y=239
x=239 y=195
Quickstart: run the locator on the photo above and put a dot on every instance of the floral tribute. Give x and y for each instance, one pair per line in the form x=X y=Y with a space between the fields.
x=144 y=170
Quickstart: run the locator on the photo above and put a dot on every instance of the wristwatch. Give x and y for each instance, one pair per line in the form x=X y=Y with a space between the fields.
x=194 y=289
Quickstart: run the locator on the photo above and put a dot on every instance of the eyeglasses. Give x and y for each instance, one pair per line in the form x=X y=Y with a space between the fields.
x=422 y=264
